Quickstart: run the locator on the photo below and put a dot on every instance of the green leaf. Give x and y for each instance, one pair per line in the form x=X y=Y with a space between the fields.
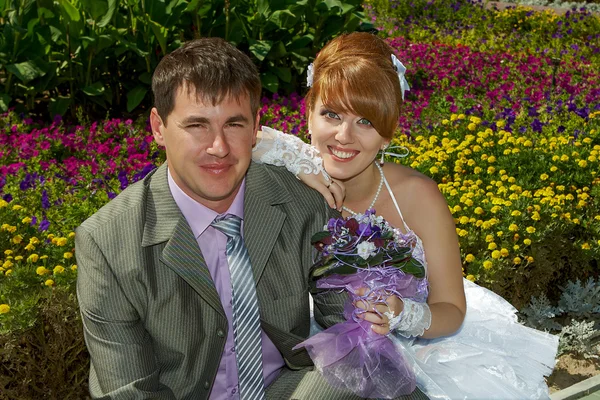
x=260 y=48
x=269 y=82
x=4 y=101
x=146 y=78
x=284 y=19
x=95 y=89
x=59 y=106
x=263 y=6
x=112 y=6
x=319 y=236
x=283 y=73
x=95 y=8
x=69 y=10
x=135 y=97
x=25 y=71
x=45 y=13
x=278 y=51
x=300 y=42
x=160 y=32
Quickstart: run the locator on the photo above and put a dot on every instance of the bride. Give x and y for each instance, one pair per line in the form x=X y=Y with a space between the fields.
x=465 y=342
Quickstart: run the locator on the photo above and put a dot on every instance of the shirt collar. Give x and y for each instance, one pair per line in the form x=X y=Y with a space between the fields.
x=198 y=216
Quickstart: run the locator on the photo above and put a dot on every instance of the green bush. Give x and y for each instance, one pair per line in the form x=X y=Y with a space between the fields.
x=100 y=54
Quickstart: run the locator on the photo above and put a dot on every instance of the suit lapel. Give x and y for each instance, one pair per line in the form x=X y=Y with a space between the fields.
x=166 y=226
x=263 y=220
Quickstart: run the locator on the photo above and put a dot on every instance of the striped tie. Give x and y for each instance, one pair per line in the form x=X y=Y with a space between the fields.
x=246 y=316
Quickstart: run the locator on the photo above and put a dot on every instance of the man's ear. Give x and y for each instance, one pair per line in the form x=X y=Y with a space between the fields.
x=157 y=126
x=256 y=125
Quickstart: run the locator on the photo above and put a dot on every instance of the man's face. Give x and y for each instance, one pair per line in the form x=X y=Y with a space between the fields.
x=209 y=147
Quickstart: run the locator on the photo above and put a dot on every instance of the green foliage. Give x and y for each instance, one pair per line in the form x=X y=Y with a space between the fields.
x=100 y=54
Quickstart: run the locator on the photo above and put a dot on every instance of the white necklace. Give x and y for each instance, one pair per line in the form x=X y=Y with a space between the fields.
x=376 y=193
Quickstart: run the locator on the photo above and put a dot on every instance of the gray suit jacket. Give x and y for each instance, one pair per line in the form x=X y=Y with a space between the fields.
x=153 y=321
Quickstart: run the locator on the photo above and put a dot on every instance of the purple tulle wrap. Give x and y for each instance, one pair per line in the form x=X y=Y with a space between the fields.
x=349 y=354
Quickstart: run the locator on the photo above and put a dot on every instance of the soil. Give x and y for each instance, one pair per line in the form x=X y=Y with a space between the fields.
x=570 y=370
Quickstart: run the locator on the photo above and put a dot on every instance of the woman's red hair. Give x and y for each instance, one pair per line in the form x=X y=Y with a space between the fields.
x=354 y=73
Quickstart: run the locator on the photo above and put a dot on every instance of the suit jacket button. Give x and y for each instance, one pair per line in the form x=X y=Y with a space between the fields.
x=207 y=385
x=220 y=333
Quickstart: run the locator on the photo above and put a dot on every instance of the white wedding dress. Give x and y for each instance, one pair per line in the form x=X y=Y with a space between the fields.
x=492 y=356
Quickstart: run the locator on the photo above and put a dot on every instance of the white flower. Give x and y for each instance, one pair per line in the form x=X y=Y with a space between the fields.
x=366 y=249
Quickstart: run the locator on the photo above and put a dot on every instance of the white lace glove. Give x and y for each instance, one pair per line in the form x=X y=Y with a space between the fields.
x=414 y=319
x=289 y=151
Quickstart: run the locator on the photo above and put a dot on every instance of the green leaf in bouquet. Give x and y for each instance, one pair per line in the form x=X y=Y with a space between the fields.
x=412 y=267
x=319 y=236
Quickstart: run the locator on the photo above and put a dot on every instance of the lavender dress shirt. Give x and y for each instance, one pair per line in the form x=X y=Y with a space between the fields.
x=212 y=244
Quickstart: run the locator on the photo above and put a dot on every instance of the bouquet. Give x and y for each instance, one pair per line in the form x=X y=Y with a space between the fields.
x=364 y=251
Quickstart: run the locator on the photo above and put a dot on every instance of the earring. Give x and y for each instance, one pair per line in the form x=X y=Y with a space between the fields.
x=381 y=162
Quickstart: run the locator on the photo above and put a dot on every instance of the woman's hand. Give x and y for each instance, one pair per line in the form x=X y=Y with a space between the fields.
x=380 y=321
x=333 y=191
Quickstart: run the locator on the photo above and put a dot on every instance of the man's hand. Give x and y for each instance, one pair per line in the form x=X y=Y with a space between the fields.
x=380 y=321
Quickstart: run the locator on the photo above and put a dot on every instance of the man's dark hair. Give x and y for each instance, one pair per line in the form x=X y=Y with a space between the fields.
x=210 y=68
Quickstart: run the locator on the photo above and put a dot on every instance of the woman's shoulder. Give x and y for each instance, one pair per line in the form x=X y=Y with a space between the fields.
x=409 y=181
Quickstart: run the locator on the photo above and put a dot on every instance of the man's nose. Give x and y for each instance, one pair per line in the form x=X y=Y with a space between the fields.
x=219 y=147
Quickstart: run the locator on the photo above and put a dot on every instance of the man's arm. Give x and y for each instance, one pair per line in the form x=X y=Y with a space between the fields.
x=123 y=364
x=328 y=304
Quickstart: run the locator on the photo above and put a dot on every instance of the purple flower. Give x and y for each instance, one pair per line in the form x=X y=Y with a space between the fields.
x=111 y=195
x=123 y=179
x=44 y=225
x=45 y=201
x=536 y=125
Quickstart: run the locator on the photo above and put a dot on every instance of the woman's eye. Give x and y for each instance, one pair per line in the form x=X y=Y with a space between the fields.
x=364 y=121
x=330 y=114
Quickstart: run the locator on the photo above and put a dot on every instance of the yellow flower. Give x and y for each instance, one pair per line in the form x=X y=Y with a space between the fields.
x=530 y=259
x=8 y=252
x=43 y=257
x=462 y=233
x=582 y=163
x=492 y=159
x=42 y=271
x=17 y=239
x=477 y=170
x=453 y=117
x=553 y=168
x=3 y=203
x=516 y=247
x=74 y=267
x=49 y=282
x=463 y=220
x=535 y=216
x=434 y=170
x=489 y=238
x=33 y=258
x=34 y=240
x=461 y=116
x=487 y=264
x=26 y=220
x=71 y=235
x=471 y=126
x=503 y=252
x=513 y=227
x=4 y=308
x=527 y=242
x=495 y=254
x=544 y=177
x=491 y=170
x=478 y=211
x=445 y=122
x=50 y=236
x=30 y=247
x=61 y=241
x=469 y=258
x=564 y=157
x=59 y=269
x=18 y=258
x=517 y=260
x=7 y=273
x=7 y=264
x=492 y=246
x=530 y=229
x=68 y=255
x=515 y=213
x=471 y=278
x=17 y=207
x=585 y=246
x=500 y=124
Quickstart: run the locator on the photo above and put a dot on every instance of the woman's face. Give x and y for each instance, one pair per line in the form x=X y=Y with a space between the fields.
x=348 y=143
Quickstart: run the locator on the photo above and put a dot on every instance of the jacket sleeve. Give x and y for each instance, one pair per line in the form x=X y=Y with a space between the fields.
x=123 y=364
x=328 y=304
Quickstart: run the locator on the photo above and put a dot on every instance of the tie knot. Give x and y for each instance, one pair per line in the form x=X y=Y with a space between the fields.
x=228 y=224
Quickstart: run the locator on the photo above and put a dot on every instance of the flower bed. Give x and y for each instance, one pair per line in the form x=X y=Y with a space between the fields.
x=508 y=126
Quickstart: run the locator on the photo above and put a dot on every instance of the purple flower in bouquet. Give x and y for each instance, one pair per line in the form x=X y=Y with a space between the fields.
x=363 y=253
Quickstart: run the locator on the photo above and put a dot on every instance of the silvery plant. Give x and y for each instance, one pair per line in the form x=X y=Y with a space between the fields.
x=576 y=318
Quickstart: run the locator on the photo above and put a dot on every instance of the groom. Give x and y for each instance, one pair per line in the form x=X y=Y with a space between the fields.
x=155 y=264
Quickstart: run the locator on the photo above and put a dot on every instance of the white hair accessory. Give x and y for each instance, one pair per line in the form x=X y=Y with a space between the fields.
x=309 y=74
x=400 y=70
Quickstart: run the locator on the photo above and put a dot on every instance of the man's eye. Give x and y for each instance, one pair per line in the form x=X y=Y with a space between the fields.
x=364 y=121
x=236 y=125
